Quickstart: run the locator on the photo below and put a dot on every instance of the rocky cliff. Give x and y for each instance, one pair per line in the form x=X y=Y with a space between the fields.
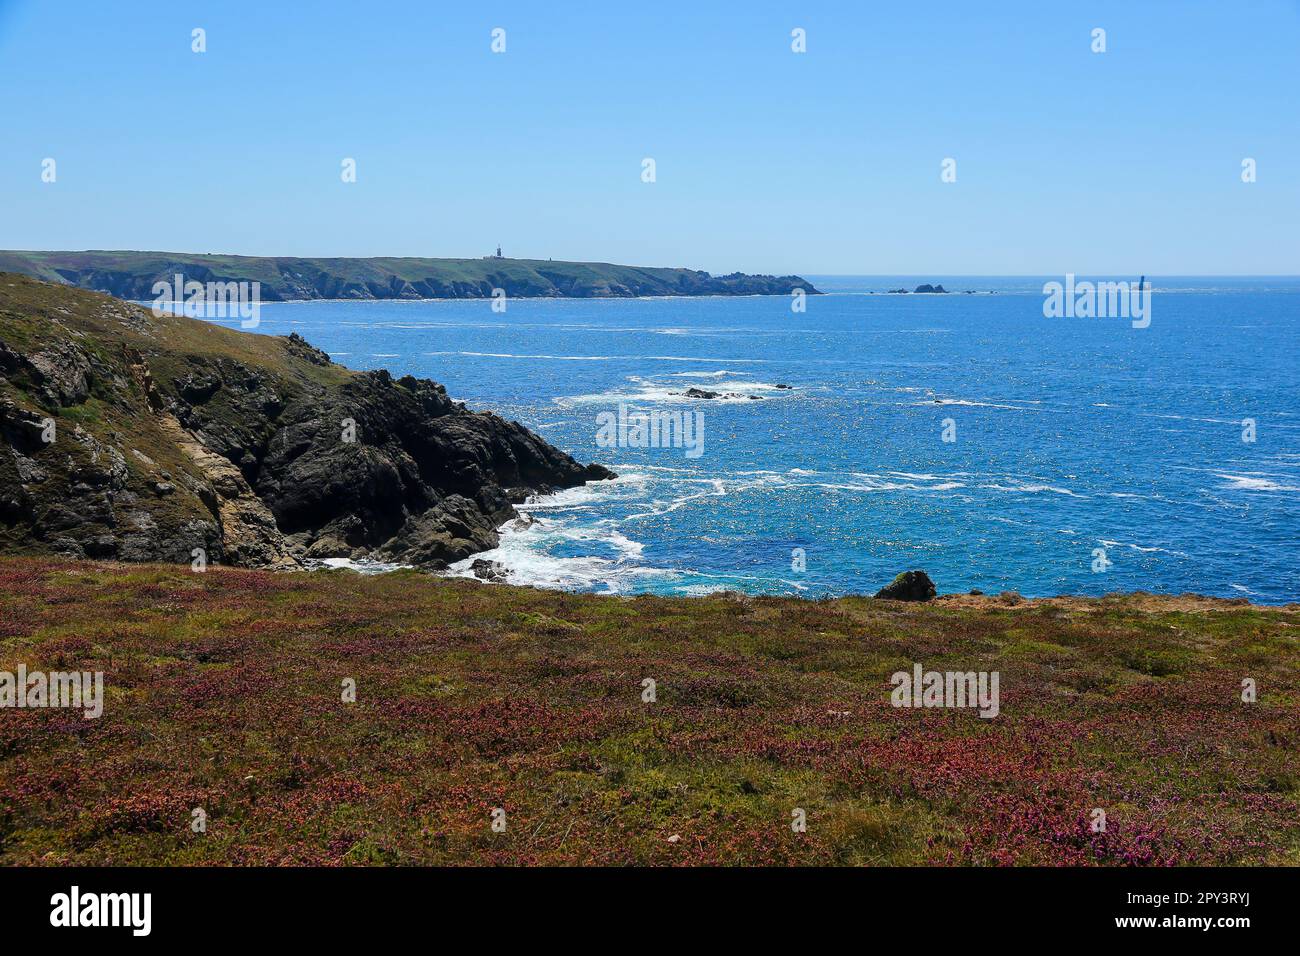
x=144 y=438
x=131 y=275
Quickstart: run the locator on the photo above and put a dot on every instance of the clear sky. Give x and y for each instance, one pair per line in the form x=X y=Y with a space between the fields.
x=1127 y=161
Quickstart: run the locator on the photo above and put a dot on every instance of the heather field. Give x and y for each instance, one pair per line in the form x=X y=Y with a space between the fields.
x=224 y=691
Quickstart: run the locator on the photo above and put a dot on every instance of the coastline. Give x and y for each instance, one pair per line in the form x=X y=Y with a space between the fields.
x=501 y=574
x=138 y=275
x=599 y=538
x=955 y=600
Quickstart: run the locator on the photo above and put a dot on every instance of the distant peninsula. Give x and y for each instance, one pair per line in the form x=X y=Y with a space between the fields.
x=924 y=289
x=131 y=275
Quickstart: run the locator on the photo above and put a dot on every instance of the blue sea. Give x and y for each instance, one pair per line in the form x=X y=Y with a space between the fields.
x=1087 y=456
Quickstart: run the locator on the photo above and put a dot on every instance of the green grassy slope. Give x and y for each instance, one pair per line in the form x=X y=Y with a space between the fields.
x=36 y=312
x=224 y=692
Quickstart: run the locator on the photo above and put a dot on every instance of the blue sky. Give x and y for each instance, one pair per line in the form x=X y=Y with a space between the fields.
x=829 y=161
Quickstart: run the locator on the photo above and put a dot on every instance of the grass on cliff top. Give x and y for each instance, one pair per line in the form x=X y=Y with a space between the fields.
x=36 y=314
x=223 y=691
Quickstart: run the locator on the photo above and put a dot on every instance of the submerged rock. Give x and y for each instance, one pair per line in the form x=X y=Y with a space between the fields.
x=707 y=394
x=486 y=570
x=908 y=586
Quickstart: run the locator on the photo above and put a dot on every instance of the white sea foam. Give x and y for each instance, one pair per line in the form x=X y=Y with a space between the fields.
x=525 y=549
x=1255 y=482
x=718 y=374
x=1141 y=548
x=511 y=355
x=703 y=590
x=876 y=483
x=364 y=566
x=598 y=358
x=652 y=391
x=737 y=582
x=1191 y=418
x=713 y=488
x=1032 y=489
x=627 y=484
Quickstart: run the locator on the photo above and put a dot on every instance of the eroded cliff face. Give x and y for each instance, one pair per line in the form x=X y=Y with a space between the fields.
x=141 y=438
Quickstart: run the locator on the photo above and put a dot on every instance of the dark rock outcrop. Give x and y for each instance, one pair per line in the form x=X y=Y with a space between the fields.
x=488 y=570
x=141 y=437
x=704 y=393
x=908 y=586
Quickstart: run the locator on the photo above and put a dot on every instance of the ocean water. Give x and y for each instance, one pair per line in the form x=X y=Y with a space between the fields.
x=1089 y=456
